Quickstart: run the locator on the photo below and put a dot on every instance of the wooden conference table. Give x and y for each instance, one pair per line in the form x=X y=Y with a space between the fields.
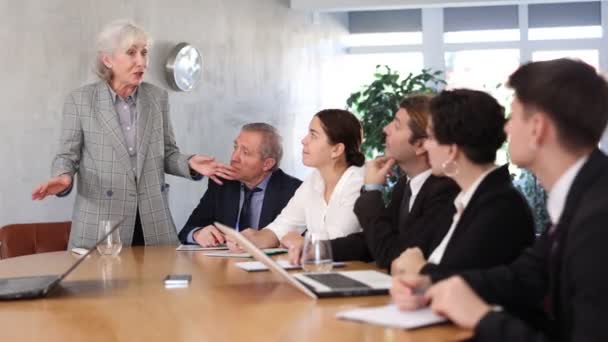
x=124 y=299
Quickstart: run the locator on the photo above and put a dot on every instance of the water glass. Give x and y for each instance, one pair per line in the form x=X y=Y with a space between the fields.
x=316 y=252
x=112 y=245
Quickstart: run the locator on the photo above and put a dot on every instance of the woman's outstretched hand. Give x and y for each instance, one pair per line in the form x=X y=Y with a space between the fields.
x=53 y=186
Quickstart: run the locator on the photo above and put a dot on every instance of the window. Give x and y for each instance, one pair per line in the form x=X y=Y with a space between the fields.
x=591 y=57
x=573 y=32
x=559 y=21
x=481 y=24
x=382 y=39
x=481 y=69
x=505 y=35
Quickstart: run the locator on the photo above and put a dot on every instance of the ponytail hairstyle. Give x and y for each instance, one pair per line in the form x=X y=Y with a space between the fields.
x=343 y=127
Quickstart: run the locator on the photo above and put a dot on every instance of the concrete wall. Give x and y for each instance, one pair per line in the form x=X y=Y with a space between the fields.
x=263 y=62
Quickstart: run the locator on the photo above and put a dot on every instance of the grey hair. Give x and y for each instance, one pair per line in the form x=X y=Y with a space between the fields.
x=117 y=34
x=272 y=142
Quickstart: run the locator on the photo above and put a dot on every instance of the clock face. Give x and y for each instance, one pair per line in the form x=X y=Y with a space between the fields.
x=184 y=67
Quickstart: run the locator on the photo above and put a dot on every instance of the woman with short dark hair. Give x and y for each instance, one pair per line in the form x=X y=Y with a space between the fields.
x=493 y=223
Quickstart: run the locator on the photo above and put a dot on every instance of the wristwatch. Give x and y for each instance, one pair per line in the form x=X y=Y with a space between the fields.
x=371 y=187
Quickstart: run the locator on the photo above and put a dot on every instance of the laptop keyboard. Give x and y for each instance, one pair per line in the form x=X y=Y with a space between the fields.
x=337 y=281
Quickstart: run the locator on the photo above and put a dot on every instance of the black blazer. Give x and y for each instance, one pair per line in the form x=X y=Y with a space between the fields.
x=221 y=203
x=573 y=275
x=494 y=229
x=382 y=239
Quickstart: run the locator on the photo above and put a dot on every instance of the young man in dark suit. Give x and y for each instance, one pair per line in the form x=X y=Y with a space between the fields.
x=559 y=112
x=421 y=206
x=255 y=199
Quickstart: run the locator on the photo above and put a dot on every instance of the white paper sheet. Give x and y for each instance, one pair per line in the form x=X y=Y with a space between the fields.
x=391 y=316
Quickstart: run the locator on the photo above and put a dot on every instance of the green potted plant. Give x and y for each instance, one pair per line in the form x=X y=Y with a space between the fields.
x=536 y=197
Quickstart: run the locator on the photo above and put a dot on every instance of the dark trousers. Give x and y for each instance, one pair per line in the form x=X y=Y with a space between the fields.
x=138 y=235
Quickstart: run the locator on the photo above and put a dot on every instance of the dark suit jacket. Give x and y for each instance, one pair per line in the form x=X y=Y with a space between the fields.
x=494 y=229
x=382 y=239
x=573 y=276
x=221 y=203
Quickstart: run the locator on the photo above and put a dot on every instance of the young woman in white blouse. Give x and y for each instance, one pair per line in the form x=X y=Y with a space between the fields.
x=324 y=202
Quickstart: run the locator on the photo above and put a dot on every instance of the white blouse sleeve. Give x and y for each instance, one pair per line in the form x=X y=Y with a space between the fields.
x=293 y=216
x=341 y=220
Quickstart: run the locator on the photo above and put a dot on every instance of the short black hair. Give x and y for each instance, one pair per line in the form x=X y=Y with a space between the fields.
x=571 y=93
x=471 y=119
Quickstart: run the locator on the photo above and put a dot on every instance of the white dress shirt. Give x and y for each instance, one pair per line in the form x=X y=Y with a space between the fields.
x=460 y=202
x=307 y=208
x=416 y=184
x=556 y=200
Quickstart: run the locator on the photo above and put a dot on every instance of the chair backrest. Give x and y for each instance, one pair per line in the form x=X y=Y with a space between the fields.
x=32 y=238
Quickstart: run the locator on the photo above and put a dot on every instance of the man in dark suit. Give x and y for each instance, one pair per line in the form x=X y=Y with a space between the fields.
x=559 y=112
x=421 y=206
x=255 y=199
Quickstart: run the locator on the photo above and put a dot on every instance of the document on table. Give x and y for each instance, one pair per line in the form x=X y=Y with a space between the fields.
x=193 y=248
x=391 y=316
x=268 y=251
x=256 y=266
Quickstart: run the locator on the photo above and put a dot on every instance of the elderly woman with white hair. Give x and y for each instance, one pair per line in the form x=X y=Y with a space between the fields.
x=117 y=137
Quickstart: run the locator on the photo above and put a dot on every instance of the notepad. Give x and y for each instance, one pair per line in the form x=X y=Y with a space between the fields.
x=268 y=251
x=391 y=316
x=193 y=248
x=256 y=266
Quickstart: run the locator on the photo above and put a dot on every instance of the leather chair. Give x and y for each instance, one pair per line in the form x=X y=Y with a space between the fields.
x=32 y=238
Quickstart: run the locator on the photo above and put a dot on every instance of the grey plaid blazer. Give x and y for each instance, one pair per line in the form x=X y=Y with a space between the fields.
x=93 y=149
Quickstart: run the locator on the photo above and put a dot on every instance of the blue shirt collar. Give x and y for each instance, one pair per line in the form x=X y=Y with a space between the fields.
x=263 y=184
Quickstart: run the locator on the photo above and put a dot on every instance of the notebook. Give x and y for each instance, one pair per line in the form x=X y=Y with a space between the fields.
x=391 y=316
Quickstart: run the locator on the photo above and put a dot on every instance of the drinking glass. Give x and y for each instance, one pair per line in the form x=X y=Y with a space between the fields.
x=316 y=252
x=112 y=245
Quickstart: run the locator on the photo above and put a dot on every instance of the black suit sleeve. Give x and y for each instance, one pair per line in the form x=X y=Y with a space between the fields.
x=496 y=233
x=371 y=213
x=522 y=283
x=385 y=240
x=526 y=280
x=351 y=247
x=204 y=213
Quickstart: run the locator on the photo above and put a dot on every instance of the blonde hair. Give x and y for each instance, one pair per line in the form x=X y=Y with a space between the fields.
x=117 y=34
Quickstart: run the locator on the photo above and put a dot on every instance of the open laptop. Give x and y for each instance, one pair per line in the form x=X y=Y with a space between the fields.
x=318 y=285
x=40 y=286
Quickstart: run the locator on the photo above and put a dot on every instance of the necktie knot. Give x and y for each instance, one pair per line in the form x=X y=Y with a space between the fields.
x=250 y=192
